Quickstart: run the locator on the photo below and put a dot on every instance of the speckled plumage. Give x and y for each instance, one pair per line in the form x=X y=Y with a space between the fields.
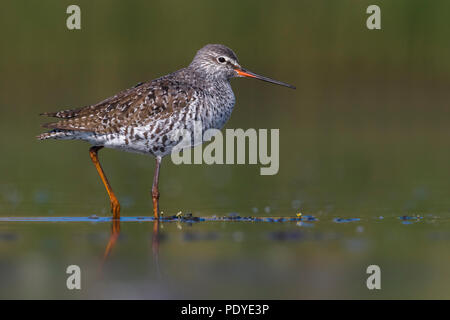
x=141 y=119
x=147 y=118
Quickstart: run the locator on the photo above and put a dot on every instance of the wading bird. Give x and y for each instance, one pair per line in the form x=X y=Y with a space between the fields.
x=143 y=118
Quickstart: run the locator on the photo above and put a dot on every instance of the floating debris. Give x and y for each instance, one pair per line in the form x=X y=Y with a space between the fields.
x=410 y=219
x=309 y=218
x=340 y=220
x=234 y=215
x=179 y=217
x=183 y=217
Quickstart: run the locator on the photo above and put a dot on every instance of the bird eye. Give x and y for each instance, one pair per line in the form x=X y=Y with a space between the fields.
x=221 y=59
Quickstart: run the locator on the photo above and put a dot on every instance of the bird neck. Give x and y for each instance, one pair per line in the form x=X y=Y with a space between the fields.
x=203 y=72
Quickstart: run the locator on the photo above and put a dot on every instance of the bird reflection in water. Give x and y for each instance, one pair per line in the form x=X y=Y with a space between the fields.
x=155 y=245
x=115 y=232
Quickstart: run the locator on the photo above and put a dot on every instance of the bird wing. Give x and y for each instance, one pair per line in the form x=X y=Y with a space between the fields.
x=138 y=105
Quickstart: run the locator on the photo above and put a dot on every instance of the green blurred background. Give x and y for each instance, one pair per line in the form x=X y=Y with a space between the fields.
x=365 y=134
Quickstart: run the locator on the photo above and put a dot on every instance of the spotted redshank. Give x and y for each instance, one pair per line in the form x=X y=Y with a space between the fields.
x=142 y=119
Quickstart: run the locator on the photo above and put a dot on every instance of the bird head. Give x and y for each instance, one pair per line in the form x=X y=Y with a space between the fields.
x=220 y=62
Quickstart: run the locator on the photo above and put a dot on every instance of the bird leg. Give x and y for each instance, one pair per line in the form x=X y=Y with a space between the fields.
x=155 y=191
x=115 y=206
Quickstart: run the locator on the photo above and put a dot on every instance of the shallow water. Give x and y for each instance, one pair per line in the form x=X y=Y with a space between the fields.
x=320 y=257
x=364 y=150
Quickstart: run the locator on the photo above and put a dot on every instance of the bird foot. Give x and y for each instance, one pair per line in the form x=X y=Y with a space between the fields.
x=115 y=210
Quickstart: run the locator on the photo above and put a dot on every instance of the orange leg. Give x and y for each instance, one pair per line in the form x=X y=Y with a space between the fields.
x=155 y=191
x=115 y=206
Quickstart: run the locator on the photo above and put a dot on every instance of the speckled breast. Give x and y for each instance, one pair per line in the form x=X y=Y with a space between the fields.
x=212 y=107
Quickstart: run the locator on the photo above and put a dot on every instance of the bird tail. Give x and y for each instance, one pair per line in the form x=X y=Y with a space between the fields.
x=54 y=134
